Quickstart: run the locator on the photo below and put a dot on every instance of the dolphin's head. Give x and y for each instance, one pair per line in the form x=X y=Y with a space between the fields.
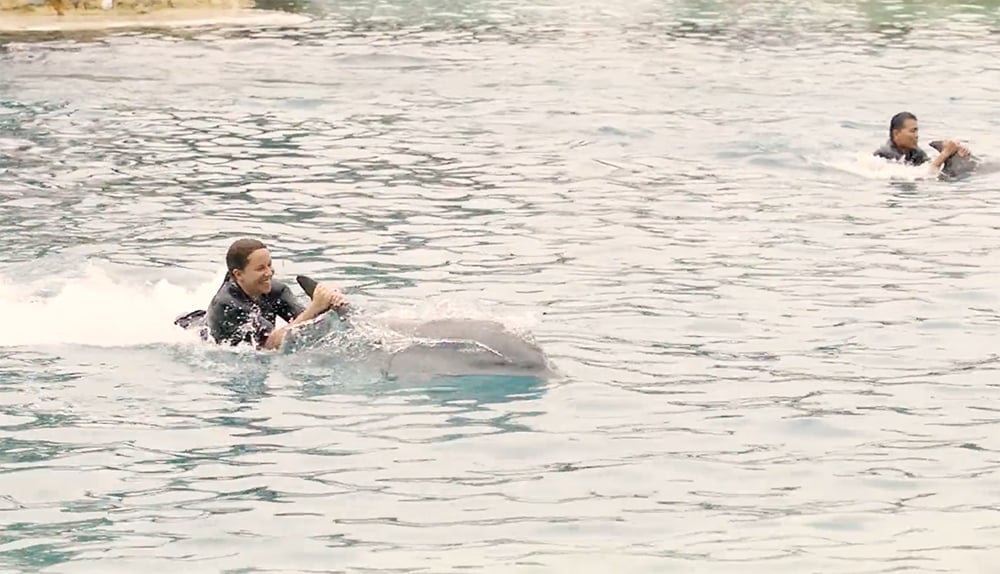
x=956 y=165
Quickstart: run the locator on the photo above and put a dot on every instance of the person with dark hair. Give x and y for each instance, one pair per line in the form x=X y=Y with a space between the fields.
x=245 y=307
x=902 y=144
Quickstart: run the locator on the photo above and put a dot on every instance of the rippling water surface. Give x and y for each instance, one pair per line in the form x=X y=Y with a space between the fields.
x=775 y=354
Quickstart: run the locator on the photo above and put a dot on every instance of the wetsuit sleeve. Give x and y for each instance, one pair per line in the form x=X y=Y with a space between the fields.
x=262 y=329
x=886 y=152
x=288 y=306
x=920 y=157
x=227 y=323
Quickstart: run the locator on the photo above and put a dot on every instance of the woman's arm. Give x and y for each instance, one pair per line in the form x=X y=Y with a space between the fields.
x=323 y=298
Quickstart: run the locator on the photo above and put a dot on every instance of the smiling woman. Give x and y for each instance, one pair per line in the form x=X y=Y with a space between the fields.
x=248 y=302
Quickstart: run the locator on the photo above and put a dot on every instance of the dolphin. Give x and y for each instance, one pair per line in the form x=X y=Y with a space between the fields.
x=439 y=348
x=457 y=347
x=956 y=165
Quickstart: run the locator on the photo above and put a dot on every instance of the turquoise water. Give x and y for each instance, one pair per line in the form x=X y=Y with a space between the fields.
x=775 y=354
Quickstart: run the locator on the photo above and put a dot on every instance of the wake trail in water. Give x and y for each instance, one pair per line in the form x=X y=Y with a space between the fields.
x=96 y=309
x=868 y=166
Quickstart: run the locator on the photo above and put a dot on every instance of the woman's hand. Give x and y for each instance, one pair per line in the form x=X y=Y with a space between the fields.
x=323 y=298
x=327 y=296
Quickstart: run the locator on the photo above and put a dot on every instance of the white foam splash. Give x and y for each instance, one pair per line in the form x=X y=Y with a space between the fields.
x=93 y=308
x=869 y=166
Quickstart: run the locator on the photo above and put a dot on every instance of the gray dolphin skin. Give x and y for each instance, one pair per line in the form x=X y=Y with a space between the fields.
x=457 y=347
x=956 y=165
x=460 y=347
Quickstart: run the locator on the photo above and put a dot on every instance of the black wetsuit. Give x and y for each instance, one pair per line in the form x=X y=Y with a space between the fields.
x=915 y=156
x=234 y=318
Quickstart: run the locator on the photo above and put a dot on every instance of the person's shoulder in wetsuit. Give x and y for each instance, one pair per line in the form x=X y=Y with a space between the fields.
x=888 y=151
x=230 y=315
x=914 y=156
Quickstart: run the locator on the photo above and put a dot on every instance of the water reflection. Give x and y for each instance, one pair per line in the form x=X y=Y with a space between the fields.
x=761 y=333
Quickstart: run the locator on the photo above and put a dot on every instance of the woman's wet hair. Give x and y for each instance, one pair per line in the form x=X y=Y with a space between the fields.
x=239 y=253
x=898 y=121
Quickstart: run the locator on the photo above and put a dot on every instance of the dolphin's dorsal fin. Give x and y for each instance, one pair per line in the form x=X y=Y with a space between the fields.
x=308 y=284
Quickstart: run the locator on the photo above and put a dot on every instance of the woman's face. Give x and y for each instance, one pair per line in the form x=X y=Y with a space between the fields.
x=255 y=278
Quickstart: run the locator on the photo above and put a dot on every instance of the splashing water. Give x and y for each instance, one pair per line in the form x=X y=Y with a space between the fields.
x=869 y=166
x=97 y=308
